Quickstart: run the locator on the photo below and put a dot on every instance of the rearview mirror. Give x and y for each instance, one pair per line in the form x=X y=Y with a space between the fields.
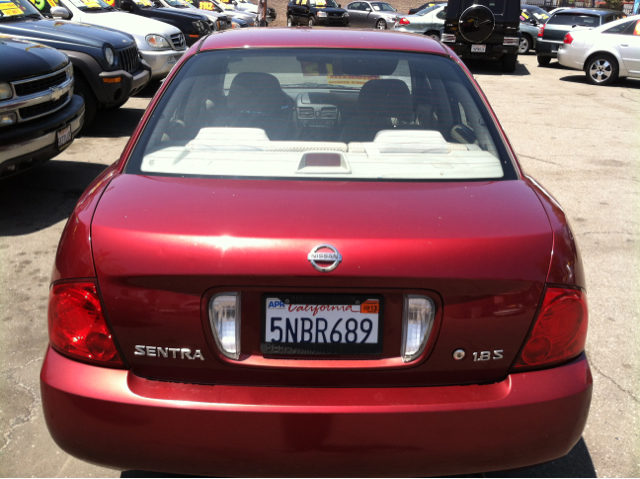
x=60 y=12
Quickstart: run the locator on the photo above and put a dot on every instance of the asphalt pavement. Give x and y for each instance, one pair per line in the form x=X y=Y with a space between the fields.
x=579 y=141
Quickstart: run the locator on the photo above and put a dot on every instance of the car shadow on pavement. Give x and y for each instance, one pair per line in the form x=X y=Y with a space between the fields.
x=494 y=68
x=43 y=196
x=575 y=464
x=149 y=90
x=114 y=123
x=620 y=83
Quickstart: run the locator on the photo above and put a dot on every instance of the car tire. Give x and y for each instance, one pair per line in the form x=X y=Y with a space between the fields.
x=509 y=62
x=525 y=44
x=82 y=88
x=543 y=61
x=381 y=25
x=311 y=22
x=602 y=69
x=433 y=34
x=289 y=21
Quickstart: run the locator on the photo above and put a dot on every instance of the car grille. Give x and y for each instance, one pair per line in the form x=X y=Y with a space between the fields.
x=40 y=83
x=335 y=14
x=129 y=58
x=42 y=108
x=178 y=41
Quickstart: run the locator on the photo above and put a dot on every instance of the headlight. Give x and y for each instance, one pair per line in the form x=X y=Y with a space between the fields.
x=197 y=26
x=157 y=42
x=346 y=14
x=235 y=25
x=322 y=14
x=110 y=56
x=5 y=91
x=70 y=70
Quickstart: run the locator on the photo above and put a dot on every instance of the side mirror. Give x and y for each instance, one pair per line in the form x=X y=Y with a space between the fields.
x=60 y=12
x=158 y=4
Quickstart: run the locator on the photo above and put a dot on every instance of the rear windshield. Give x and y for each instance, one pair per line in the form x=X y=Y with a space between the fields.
x=575 y=19
x=322 y=114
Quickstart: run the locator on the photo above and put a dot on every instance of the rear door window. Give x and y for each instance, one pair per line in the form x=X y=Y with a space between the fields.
x=571 y=19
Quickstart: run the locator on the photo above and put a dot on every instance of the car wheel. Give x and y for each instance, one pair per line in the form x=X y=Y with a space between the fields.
x=311 y=22
x=525 y=45
x=381 y=24
x=509 y=62
x=82 y=88
x=433 y=34
x=543 y=61
x=602 y=69
x=289 y=21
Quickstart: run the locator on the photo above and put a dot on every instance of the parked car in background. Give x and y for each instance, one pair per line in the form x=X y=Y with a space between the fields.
x=250 y=7
x=532 y=18
x=218 y=21
x=160 y=44
x=429 y=21
x=107 y=65
x=192 y=24
x=312 y=13
x=39 y=114
x=220 y=8
x=552 y=33
x=413 y=11
x=206 y=318
x=484 y=30
x=606 y=53
x=378 y=15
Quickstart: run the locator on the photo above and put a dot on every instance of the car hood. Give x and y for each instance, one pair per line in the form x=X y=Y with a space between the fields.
x=24 y=59
x=63 y=34
x=131 y=24
x=175 y=13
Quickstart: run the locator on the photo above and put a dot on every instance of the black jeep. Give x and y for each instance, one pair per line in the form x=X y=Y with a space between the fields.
x=484 y=30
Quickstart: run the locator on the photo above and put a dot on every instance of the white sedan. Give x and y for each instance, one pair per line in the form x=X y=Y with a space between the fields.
x=604 y=53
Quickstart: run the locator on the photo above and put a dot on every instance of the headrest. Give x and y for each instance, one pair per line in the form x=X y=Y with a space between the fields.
x=386 y=98
x=255 y=91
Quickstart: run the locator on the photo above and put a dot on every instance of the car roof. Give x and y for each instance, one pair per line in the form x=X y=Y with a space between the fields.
x=305 y=37
x=591 y=11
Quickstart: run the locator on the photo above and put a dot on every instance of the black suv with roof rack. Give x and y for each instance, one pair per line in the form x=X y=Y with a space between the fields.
x=552 y=33
x=484 y=30
x=39 y=114
x=107 y=64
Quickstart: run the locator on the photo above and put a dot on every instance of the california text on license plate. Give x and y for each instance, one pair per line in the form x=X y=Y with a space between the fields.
x=478 y=48
x=64 y=137
x=322 y=325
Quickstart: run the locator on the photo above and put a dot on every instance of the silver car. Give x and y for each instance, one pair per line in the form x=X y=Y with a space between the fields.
x=378 y=15
x=426 y=22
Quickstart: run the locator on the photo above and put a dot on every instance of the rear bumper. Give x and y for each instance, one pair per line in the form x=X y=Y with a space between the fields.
x=161 y=62
x=114 y=418
x=493 y=52
x=547 y=48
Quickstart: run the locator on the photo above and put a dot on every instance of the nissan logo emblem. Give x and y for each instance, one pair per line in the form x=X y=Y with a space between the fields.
x=331 y=256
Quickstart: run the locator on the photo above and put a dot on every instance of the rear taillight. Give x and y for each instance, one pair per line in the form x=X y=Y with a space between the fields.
x=568 y=39
x=77 y=326
x=541 y=32
x=559 y=332
x=404 y=21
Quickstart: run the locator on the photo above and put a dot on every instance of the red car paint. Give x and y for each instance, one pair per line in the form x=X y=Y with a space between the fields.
x=161 y=247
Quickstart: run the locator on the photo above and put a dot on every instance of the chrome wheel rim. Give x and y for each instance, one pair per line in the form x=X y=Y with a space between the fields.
x=289 y=22
x=380 y=25
x=524 y=45
x=600 y=70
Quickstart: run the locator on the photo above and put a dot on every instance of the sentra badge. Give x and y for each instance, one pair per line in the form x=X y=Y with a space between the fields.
x=173 y=353
x=324 y=253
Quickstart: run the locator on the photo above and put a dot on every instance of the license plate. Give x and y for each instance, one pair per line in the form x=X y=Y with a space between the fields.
x=64 y=137
x=322 y=325
x=478 y=48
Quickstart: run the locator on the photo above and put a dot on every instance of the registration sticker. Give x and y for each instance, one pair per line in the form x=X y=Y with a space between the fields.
x=478 y=48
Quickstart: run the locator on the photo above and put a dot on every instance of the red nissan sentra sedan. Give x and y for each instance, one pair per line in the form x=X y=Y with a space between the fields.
x=317 y=256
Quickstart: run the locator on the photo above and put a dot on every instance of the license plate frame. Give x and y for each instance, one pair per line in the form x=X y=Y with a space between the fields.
x=64 y=137
x=478 y=48
x=315 y=349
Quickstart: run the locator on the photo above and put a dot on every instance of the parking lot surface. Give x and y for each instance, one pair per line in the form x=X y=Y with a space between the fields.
x=579 y=141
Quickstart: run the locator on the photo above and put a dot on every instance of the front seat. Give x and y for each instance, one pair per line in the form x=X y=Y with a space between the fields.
x=256 y=100
x=378 y=102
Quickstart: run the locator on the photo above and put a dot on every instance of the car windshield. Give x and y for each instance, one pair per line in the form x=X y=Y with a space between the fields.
x=320 y=114
x=534 y=13
x=427 y=10
x=382 y=7
x=91 y=5
x=179 y=3
x=15 y=9
x=581 y=19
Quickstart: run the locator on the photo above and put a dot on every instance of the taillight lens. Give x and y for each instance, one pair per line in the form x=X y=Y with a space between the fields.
x=541 y=32
x=560 y=330
x=404 y=21
x=77 y=326
x=224 y=315
x=568 y=39
x=417 y=322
